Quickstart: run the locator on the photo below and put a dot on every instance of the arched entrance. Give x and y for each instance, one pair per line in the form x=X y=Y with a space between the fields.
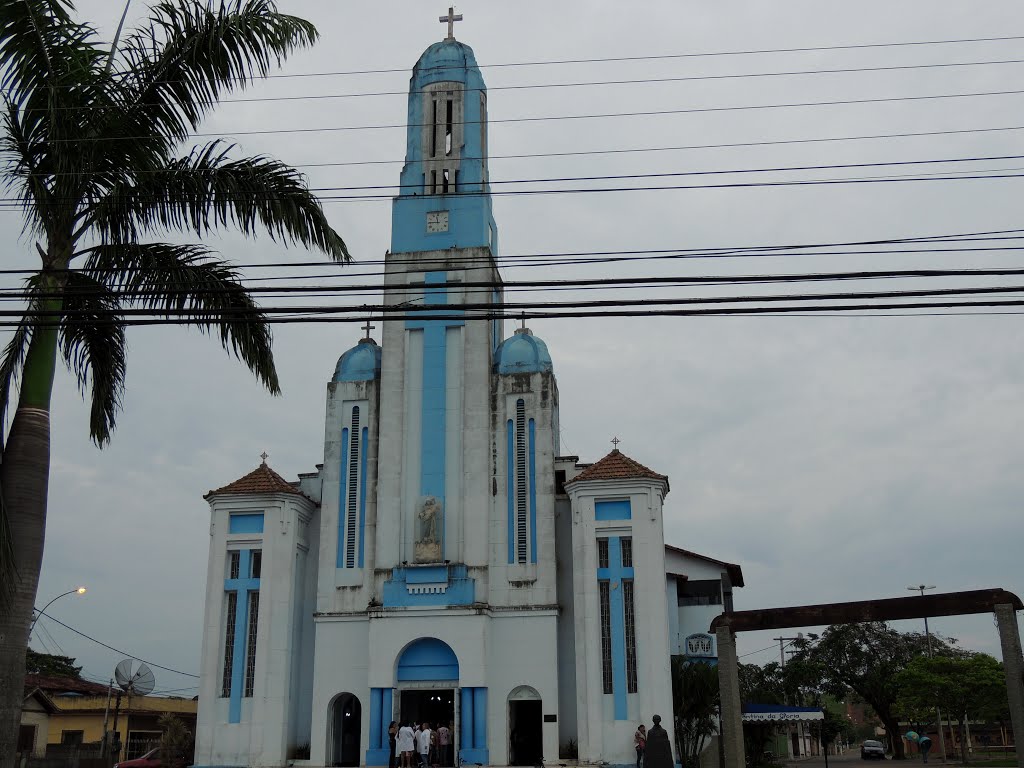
x=343 y=740
x=427 y=674
x=525 y=727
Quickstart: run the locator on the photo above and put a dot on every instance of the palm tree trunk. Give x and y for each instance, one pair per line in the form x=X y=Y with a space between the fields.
x=24 y=482
x=25 y=474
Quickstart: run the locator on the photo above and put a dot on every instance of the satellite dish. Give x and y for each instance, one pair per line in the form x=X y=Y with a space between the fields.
x=135 y=678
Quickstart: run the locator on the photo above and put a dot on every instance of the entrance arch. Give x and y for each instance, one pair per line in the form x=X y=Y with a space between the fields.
x=525 y=727
x=427 y=676
x=344 y=731
x=998 y=601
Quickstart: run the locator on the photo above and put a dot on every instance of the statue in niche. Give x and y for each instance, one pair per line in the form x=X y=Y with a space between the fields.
x=428 y=542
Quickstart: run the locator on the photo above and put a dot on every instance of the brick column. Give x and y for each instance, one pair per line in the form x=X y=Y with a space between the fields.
x=1009 y=639
x=729 y=685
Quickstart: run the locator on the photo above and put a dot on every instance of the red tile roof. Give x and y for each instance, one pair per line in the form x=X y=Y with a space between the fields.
x=617 y=466
x=261 y=480
x=53 y=685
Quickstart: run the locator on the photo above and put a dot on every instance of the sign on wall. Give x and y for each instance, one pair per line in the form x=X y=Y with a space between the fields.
x=700 y=646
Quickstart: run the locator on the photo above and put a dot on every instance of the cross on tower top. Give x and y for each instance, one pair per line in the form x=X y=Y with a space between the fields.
x=450 y=19
x=264 y=456
x=368 y=328
x=615 y=443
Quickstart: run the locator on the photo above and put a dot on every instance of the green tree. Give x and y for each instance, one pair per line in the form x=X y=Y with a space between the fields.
x=49 y=664
x=964 y=684
x=176 y=742
x=865 y=658
x=90 y=145
x=695 y=702
x=760 y=685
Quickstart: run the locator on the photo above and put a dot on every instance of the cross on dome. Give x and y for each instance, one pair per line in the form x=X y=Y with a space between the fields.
x=615 y=443
x=264 y=456
x=368 y=328
x=450 y=19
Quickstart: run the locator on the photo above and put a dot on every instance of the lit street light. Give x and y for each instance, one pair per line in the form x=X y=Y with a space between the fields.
x=77 y=591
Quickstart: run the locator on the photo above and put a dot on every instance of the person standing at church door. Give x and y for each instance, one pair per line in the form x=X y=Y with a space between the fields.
x=444 y=743
x=406 y=745
x=392 y=739
x=424 y=745
x=640 y=742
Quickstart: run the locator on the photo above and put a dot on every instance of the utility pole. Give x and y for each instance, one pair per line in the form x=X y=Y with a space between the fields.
x=783 y=642
x=928 y=636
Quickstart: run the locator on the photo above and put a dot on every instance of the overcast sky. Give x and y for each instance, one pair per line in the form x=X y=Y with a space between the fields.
x=833 y=458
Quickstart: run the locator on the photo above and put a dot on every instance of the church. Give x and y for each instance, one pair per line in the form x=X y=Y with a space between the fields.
x=445 y=564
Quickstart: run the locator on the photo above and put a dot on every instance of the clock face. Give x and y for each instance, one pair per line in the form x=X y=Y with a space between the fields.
x=437 y=221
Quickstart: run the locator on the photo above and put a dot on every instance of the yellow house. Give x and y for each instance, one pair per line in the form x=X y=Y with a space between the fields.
x=57 y=713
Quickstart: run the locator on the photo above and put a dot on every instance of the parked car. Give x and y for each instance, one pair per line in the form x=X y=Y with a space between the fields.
x=869 y=750
x=149 y=760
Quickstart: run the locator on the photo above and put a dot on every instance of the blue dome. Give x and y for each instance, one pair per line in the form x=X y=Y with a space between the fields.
x=361 y=363
x=446 y=55
x=523 y=353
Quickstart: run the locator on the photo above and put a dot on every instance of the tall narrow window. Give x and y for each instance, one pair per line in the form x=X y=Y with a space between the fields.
x=250 y=649
x=483 y=133
x=602 y=553
x=433 y=131
x=233 y=560
x=256 y=563
x=521 y=490
x=433 y=182
x=630 y=615
x=352 y=495
x=448 y=125
x=606 y=637
x=626 y=545
x=445 y=181
x=229 y=643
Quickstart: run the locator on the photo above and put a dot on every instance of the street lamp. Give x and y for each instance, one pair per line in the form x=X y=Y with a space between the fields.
x=76 y=591
x=921 y=588
x=938 y=712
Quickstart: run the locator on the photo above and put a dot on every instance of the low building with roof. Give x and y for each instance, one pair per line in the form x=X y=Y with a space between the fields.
x=61 y=715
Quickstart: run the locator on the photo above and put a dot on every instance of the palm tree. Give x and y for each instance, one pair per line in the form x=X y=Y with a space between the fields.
x=90 y=144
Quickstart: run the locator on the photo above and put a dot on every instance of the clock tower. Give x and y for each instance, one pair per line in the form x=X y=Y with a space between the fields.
x=435 y=429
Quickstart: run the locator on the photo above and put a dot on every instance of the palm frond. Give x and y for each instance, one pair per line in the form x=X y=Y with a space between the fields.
x=92 y=343
x=32 y=34
x=164 y=278
x=193 y=52
x=207 y=190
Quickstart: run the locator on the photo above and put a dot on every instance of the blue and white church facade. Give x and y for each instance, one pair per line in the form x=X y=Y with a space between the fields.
x=444 y=564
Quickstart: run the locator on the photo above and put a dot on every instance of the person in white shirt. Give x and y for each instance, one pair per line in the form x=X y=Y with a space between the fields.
x=423 y=742
x=406 y=745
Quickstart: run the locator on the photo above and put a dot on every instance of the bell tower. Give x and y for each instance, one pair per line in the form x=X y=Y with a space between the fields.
x=444 y=200
x=434 y=490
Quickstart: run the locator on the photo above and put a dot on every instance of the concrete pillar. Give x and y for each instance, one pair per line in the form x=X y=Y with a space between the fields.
x=1009 y=639
x=729 y=686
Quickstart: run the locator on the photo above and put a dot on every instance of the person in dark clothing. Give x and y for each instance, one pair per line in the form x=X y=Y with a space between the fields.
x=392 y=736
x=658 y=752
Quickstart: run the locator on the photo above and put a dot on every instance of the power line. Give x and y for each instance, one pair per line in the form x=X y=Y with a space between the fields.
x=605 y=83
x=629 y=150
x=620 y=177
x=658 y=57
x=591 y=116
x=731 y=251
x=117 y=650
x=485 y=286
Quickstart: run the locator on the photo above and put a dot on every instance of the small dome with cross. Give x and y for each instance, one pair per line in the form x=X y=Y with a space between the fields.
x=523 y=353
x=361 y=363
